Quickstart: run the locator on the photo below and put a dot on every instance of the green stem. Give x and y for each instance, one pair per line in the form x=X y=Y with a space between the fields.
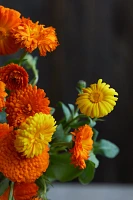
x=22 y=57
x=36 y=76
x=11 y=191
x=72 y=120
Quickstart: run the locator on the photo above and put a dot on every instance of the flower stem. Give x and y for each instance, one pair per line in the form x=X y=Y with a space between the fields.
x=11 y=191
x=22 y=57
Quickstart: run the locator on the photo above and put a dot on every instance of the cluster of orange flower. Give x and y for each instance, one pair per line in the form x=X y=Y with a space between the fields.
x=23 y=151
x=26 y=136
x=17 y=32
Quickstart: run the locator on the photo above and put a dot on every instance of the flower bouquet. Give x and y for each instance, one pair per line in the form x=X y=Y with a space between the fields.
x=35 y=149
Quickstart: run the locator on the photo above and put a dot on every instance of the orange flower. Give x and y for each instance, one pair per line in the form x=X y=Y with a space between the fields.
x=25 y=191
x=14 y=76
x=18 y=168
x=82 y=138
x=31 y=35
x=22 y=191
x=9 y=19
x=5 y=195
x=3 y=94
x=5 y=129
x=24 y=103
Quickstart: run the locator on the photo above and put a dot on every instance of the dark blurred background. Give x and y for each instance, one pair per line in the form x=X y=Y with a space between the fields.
x=96 y=41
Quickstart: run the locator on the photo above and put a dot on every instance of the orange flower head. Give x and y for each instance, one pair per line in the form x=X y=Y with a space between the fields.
x=31 y=35
x=5 y=129
x=9 y=19
x=5 y=195
x=25 y=191
x=18 y=168
x=21 y=191
x=14 y=76
x=82 y=138
x=3 y=94
x=24 y=103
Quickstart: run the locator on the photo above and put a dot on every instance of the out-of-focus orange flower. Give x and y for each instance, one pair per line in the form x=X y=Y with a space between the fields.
x=3 y=94
x=9 y=19
x=24 y=103
x=31 y=35
x=18 y=168
x=5 y=129
x=25 y=191
x=5 y=195
x=22 y=191
x=14 y=76
x=83 y=142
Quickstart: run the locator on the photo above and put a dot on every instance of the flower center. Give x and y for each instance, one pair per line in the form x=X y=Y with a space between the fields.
x=3 y=33
x=96 y=97
x=27 y=109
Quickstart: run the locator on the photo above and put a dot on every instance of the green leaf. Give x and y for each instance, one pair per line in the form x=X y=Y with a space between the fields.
x=94 y=159
x=4 y=185
x=88 y=173
x=3 y=117
x=61 y=169
x=59 y=133
x=52 y=110
x=72 y=108
x=106 y=148
x=65 y=110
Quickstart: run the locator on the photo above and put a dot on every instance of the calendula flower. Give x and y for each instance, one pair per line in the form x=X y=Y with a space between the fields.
x=21 y=191
x=83 y=142
x=34 y=134
x=97 y=100
x=9 y=19
x=25 y=191
x=5 y=195
x=14 y=76
x=5 y=129
x=31 y=35
x=3 y=94
x=17 y=168
x=24 y=103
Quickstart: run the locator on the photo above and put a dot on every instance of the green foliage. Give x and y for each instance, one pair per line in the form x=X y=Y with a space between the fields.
x=106 y=148
x=2 y=117
x=61 y=169
x=94 y=159
x=4 y=183
x=88 y=173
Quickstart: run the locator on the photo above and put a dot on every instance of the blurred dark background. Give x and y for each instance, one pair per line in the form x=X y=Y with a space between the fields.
x=96 y=41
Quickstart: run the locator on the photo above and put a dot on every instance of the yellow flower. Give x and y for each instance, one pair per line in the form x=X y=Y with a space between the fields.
x=34 y=134
x=97 y=100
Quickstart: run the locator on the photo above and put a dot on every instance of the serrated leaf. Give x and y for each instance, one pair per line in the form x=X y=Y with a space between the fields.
x=106 y=148
x=94 y=159
x=65 y=110
x=4 y=185
x=61 y=169
x=88 y=173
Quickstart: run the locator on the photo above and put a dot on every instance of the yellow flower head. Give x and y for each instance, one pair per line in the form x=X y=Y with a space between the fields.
x=34 y=134
x=97 y=100
x=83 y=142
x=31 y=35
